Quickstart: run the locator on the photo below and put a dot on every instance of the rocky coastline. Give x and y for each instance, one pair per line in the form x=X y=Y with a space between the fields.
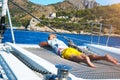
x=47 y=29
x=33 y=22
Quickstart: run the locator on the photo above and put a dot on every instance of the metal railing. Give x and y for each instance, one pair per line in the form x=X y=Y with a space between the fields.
x=100 y=33
x=5 y=10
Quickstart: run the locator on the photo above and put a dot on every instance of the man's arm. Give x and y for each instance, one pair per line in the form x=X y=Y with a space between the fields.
x=42 y=44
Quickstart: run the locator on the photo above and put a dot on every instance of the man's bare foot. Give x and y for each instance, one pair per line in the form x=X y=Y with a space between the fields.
x=92 y=65
x=116 y=60
x=111 y=59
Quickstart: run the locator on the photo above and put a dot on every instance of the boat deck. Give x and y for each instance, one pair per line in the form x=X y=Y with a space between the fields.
x=104 y=70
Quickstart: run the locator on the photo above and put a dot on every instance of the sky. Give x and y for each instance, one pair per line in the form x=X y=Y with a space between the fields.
x=108 y=2
x=102 y=2
x=46 y=2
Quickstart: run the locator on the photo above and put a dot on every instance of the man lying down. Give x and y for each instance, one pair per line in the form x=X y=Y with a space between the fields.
x=72 y=54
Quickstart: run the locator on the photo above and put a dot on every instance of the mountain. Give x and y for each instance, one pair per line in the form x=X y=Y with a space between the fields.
x=40 y=10
x=35 y=9
x=82 y=10
x=83 y=4
x=75 y=5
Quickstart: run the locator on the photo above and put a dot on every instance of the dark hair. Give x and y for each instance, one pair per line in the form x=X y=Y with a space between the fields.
x=48 y=37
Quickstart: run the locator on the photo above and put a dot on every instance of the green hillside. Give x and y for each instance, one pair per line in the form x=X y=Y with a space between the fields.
x=103 y=14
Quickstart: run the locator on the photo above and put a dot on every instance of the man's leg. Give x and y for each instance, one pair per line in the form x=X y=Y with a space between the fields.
x=107 y=57
x=82 y=58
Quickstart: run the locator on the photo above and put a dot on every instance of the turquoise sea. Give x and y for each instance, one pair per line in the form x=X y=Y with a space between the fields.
x=33 y=37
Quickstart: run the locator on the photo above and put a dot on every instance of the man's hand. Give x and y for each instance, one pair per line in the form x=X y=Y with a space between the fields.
x=43 y=44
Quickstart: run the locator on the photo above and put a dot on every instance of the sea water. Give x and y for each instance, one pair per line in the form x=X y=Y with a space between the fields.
x=35 y=37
